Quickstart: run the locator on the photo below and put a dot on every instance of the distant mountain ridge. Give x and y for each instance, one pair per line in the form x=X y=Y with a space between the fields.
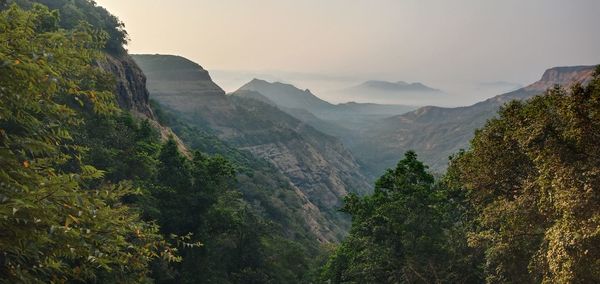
x=435 y=133
x=298 y=102
x=287 y=95
x=399 y=86
x=400 y=93
x=344 y=121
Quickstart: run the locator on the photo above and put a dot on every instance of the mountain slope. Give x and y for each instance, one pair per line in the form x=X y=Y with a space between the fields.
x=341 y=120
x=287 y=96
x=436 y=132
x=317 y=166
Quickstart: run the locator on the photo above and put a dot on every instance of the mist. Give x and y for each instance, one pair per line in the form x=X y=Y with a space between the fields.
x=454 y=46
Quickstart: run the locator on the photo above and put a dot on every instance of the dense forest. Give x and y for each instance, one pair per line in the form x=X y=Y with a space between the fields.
x=90 y=192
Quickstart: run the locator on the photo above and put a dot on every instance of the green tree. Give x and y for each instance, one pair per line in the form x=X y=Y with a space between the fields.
x=533 y=176
x=54 y=225
x=72 y=12
x=402 y=232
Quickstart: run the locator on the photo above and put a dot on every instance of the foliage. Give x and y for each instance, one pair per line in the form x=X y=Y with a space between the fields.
x=72 y=12
x=65 y=220
x=89 y=193
x=533 y=175
x=199 y=194
x=236 y=240
x=59 y=220
x=403 y=232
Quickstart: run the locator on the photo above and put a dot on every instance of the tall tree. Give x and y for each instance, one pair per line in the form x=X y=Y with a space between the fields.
x=402 y=233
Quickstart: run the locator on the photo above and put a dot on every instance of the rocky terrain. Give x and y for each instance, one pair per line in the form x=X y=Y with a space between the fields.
x=130 y=82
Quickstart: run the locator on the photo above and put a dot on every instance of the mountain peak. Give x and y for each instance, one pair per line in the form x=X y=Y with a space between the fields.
x=257 y=81
x=285 y=95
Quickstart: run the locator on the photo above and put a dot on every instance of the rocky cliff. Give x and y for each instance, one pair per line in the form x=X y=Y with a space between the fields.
x=131 y=92
x=130 y=84
x=564 y=76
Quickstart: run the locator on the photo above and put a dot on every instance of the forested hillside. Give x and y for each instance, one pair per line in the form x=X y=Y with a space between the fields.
x=90 y=191
x=109 y=177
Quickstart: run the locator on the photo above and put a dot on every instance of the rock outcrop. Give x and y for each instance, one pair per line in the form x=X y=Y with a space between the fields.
x=130 y=83
x=563 y=76
x=132 y=94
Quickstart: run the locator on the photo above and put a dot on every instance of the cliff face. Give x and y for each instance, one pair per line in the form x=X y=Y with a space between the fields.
x=564 y=76
x=317 y=166
x=131 y=91
x=132 y=94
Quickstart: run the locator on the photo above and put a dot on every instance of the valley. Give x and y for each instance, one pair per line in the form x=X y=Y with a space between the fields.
x=341 y=163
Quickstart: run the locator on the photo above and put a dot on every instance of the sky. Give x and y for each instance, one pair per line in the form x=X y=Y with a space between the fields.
x=459 y=46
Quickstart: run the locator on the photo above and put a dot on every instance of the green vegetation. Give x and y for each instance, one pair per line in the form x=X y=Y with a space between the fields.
x=521 y=206
x=73 y=12
x=408 y=230
x=90 y=193
x=222 y=237
x=287 y=248
x=533 y=177
x=60 y=219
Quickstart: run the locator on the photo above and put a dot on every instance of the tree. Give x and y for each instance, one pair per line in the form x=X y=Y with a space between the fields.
x=54 y=226
x=402 y=233
x=533 y=176
x=72 y=12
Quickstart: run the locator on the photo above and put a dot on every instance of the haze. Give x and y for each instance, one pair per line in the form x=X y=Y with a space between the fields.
x=456 y=46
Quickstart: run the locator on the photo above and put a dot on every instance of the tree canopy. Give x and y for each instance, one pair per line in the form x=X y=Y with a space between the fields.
x=59 y=220
x=533 y=175
x=403 y=232
x=70 y=13
x=522 y=205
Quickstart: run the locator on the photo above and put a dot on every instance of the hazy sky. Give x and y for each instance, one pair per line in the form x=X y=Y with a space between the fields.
x=449 y=45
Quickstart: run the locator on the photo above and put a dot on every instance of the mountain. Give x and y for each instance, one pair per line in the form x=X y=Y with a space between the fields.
x=341 y=120
x=399 y=86
x=287 y=95
x=400 y=92
x=317 y=167
x=290 y=97
x=435 y=133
